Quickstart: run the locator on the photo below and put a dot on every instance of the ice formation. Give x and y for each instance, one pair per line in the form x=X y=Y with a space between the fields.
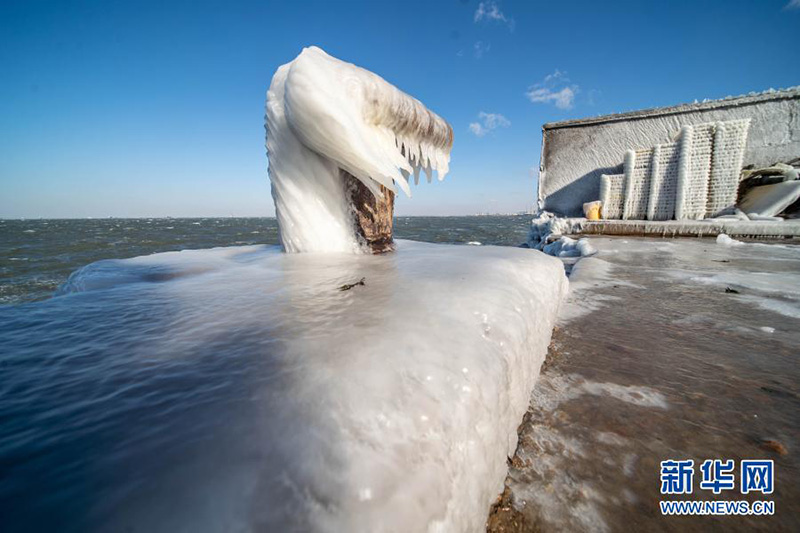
x=695 y=177
x=326 y=117
x=547 y=227
x=726 y=240
x=568 y=247
x=546 y=234
x=237 y=389
x=768 y=201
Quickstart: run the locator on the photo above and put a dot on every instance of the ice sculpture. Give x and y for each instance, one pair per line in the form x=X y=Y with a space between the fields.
x=340 y=140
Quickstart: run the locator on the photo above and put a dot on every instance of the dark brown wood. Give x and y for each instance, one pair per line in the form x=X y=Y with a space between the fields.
x=373 y=218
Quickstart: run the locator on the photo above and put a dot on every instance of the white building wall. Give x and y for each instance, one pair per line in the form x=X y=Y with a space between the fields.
x=575 y=153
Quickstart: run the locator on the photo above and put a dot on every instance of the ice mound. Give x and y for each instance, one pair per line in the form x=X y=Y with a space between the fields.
x=244 y=389
x=547 y=227
x=568 y=247
x=726 y=240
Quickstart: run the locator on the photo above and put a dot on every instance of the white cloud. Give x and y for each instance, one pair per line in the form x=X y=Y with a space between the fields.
x=554 y=89
x=477 y=129
x=489 y=11
x=488 y=122
x=480 y=48
x=793 y=4
x=563 y=99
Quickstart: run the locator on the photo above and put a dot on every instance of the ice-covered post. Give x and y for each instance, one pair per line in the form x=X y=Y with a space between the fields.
x=340 y=140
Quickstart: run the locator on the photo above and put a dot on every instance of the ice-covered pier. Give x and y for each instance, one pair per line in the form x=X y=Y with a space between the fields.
x=684 y=349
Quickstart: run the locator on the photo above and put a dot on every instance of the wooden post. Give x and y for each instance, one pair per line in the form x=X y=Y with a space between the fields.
x=372 y=217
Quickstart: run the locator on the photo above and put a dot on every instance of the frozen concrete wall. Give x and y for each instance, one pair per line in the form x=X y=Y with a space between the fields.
x=575 y=153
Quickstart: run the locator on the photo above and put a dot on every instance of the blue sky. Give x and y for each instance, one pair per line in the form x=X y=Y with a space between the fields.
x=156 y=108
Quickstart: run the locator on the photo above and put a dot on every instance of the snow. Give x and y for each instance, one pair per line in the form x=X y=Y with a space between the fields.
x=389 y=406
x=324 y=116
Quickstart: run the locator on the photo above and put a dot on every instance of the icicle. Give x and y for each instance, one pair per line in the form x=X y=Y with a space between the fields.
x=428 y=171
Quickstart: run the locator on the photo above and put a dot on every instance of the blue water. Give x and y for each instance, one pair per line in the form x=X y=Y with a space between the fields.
x=37 y=256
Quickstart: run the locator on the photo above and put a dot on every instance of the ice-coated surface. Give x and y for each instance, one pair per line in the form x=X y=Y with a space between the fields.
x=239 y=389
x=672 y=365
x=324 y=115
x=770 y=200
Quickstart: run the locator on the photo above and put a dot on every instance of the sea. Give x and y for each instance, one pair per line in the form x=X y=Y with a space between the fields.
x=37 y=256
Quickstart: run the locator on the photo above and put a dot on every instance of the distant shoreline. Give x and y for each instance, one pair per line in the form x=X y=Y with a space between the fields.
x=33 y=219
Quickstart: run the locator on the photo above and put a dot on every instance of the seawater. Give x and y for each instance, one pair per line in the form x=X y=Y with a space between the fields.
x=37 y=256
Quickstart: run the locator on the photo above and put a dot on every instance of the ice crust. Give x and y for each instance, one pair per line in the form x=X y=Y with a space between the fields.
x=391 y=406
x=324 y=116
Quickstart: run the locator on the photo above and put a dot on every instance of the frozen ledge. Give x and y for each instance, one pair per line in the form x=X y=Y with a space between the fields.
x=691 y=228
x=790 y=93
x=390 y=405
